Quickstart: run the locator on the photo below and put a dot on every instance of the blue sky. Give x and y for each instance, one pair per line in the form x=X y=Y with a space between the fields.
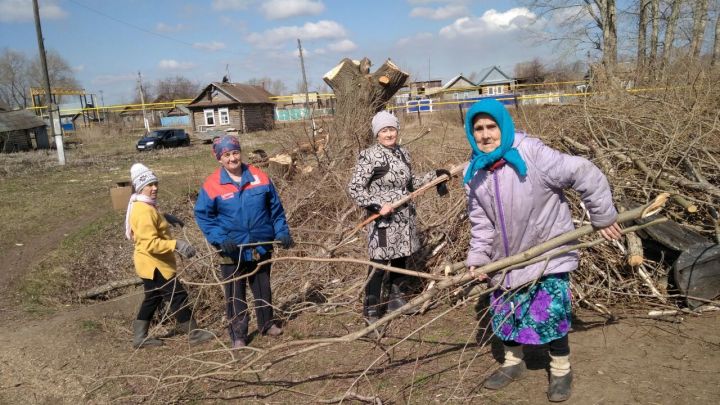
x=107 y=42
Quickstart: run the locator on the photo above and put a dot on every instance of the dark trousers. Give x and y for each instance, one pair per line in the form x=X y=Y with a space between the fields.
x=558 y=347
x=236 y=308
x=159 y=289
x=373 y=288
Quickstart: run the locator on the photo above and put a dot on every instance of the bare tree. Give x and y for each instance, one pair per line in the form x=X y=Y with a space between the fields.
x=670 y=27
x=14 y=84
x=655 y=32
x=642 y=34
x=533 y=71
x=60 y=73
x=698 y=27
x=602 y=32
x=274 y=86
x=716 y=46
x=175 y=88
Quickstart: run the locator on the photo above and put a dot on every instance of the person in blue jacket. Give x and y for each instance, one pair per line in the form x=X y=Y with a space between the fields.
x=238 y=205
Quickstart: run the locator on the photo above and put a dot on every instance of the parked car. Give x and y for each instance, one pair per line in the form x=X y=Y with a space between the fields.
x=164 y=138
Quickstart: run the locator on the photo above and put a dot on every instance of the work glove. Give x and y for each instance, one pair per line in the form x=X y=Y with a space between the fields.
x=286 y=241
x=229 y=247
x=185 y=248
x=173 y=220
x=441 y=188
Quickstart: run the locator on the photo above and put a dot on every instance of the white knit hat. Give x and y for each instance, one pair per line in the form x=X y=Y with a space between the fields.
x=141 y=176
x=384 y=119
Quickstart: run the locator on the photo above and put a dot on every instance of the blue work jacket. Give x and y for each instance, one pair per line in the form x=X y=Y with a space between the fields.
x=246 y=212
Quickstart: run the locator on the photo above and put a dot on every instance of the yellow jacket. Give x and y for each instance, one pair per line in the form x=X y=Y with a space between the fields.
x=154 y=245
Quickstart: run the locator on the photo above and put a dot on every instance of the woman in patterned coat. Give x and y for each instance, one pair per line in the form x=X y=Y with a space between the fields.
x=383 y=175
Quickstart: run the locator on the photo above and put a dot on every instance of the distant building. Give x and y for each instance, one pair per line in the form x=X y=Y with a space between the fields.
x=21 y=130
x=458 y=88
x=494 y=81
x=232 y=107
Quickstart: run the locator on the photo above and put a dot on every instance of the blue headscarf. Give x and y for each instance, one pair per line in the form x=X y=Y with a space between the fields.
x=481 y=160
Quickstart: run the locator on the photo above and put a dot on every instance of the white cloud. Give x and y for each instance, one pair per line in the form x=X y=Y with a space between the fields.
x=441 y=13
x=415 y=38
x=22 y=10
x=162 y=27
x=490 y=22
x=209 y=46
x=344 y=45
x=112 y=79
x=231 y=4
x=171 y=64
x=276 y=37
x=78 y=68
x=277 y=9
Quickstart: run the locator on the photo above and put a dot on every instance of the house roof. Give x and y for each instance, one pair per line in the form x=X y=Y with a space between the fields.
x=493 y=75
x=19 y=120
x=178 y=111
x=4 y=107
x=457 y=78
x=239 y=92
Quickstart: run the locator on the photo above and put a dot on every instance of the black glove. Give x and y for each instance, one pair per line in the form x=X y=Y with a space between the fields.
x=173 y=220
x=373 y=208
x=441 y=188
x=185 y=248
x=229 y=247
x=286 y=241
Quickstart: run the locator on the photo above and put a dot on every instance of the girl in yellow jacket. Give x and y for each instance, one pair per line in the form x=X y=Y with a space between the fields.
x=155 y=261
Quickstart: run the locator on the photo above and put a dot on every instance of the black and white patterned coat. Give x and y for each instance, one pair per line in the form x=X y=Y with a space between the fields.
x=382 y=176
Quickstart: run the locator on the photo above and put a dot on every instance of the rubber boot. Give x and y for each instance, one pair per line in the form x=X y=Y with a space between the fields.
x=396 y=299
x=561 y=377
x=140 y=335
x=238 y=344
x=511 y=370
x=370 y=309
x=195 y=335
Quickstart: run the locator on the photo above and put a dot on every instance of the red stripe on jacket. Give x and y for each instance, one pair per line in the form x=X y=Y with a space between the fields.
x=214 y=188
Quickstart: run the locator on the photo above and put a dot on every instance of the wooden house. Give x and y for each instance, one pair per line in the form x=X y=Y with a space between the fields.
x=21 y=130
x=232 y=107
x=457 y=88
x=494 y=81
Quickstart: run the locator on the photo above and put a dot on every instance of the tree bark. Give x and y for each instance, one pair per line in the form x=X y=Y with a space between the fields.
x=716 y=47
x=655 y=24
x=360 y=94
x=642 y=34
x=698 y=28
x=609 y=36
x=670 y=31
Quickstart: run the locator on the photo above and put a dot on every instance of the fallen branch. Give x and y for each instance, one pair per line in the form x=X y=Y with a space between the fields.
x=94 y=292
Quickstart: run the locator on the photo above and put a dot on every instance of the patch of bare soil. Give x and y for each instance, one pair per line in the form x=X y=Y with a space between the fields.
x=84 y=355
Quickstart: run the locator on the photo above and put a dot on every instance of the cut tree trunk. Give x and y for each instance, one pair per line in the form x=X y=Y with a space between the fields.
x=360 y=94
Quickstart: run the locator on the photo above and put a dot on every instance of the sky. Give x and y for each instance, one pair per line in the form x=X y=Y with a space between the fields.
x=107 y=42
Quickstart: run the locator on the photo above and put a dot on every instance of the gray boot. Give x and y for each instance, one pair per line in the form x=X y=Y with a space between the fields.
x=140 y=335
x=560 y=387
x=195 y=335
x=370 y=309
x=396 y=299
x=504 y=376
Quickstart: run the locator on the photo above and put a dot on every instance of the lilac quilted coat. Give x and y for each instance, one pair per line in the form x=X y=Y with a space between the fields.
x=509 y=214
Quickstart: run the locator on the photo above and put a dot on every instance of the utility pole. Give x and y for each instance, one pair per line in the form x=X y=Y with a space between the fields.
x=307 y=97
x=146 y=124
x=104 y=113
x=48 y=91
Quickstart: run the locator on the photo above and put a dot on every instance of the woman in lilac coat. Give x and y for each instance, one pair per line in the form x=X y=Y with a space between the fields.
x=515 y=194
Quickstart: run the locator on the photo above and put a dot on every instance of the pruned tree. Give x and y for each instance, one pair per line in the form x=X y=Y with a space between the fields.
x=655 y=31
x=361 y=94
